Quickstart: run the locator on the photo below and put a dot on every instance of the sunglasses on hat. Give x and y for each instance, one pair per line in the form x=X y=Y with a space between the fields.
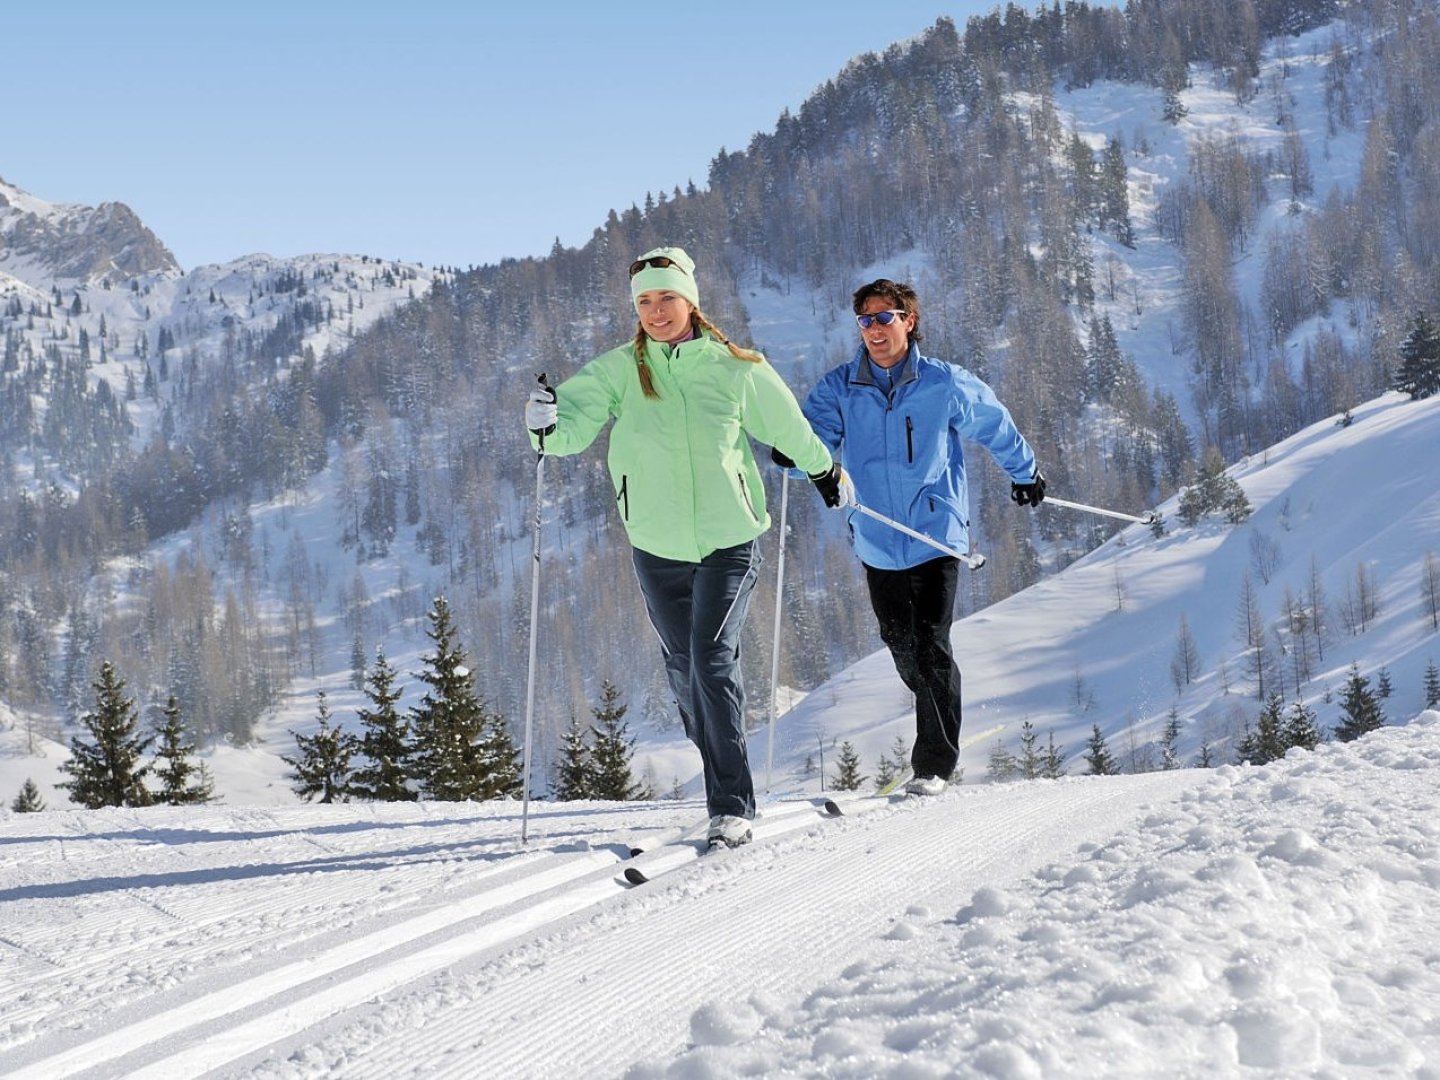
x=659 y=262
x=884 y=318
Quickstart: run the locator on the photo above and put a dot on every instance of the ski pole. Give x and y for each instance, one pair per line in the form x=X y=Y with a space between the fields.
x=973 y=561
x=775 y=636
x=534 y=620
x=1147 y=518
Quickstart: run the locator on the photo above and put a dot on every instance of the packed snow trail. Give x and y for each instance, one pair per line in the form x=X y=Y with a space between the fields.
x=276 y=949
x=276 y=993
x=617 y=986
x=1270 y=922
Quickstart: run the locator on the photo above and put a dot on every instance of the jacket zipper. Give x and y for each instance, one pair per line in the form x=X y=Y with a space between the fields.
x=622 y=497
x=745 y=491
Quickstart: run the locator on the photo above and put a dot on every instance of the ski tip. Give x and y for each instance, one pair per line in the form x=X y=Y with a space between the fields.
x=634 y=876
x=636 y=851
x=830 y=808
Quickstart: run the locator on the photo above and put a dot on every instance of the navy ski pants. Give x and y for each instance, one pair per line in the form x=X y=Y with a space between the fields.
x=915 y=608
x=698 y=610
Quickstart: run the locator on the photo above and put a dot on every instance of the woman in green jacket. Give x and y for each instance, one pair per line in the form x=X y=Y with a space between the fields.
x=686 y=402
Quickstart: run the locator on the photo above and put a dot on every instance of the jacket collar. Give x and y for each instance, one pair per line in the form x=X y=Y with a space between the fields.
x=864 y=373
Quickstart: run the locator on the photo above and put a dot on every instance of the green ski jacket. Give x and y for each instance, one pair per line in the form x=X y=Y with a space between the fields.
x=684 y=476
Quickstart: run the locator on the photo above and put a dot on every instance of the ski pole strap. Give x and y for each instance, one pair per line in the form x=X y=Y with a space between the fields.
x=1148 y=518
x=974 y=562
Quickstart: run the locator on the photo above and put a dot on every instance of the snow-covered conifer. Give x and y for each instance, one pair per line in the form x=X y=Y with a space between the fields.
x=106 y=770
x=322 y=765
x=183 y=782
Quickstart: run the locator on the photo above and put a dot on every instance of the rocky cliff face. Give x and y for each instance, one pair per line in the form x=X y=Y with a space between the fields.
x=79 y=242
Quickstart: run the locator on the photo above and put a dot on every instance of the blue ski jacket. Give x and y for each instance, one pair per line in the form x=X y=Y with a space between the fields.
x=900 y=442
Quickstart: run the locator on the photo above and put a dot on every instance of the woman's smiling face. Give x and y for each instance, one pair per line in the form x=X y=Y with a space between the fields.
x=664 y=315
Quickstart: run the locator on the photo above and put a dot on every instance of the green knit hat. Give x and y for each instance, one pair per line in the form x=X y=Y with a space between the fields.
x=675 y=273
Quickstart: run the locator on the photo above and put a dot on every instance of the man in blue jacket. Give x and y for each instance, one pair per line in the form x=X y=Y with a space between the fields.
x=896 y=418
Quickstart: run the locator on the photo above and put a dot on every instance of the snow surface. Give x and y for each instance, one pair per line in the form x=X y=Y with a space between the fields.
x=1267 y=921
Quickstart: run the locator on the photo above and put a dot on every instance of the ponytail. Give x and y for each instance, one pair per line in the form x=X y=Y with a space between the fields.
x=750 y=356
x=698 y=324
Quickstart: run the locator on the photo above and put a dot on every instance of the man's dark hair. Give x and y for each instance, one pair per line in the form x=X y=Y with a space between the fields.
x=897 y=294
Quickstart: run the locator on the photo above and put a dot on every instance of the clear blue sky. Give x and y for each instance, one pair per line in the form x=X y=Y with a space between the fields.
x=442 y=132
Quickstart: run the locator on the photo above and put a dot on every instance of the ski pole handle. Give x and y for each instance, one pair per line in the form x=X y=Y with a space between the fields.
x=540 y=435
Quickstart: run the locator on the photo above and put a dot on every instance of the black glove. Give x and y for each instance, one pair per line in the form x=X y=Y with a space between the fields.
x=834 y=487
x=780 y=459
x=1031 y=494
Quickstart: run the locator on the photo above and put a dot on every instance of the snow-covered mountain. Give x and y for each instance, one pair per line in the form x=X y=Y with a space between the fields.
x=67 y=268
x=41 y=241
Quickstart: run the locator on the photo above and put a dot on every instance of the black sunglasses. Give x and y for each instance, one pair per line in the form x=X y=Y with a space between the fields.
x=659 y=262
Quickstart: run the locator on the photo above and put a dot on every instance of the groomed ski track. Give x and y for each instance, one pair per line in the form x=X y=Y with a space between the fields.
x=425 y=942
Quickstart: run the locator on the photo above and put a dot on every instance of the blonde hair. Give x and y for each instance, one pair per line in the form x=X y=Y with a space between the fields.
x=699 y=324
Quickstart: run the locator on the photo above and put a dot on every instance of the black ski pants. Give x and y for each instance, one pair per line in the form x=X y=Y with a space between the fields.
x=698 y=610
x=915 y=608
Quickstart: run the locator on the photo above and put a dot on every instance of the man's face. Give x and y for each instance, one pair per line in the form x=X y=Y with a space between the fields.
x=887 y=345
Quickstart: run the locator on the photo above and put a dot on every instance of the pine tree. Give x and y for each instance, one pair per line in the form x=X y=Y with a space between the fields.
x=183 y=782
x=1362 y=711
x=572 y=771
x=1383 y=685
x=384 y=747
x=1300 y=727
x=1032 y=765
x=107 y=771
x=847 y=776
x=1002 y=765
x=893 y=763
x=1052 y=765
x=499 y=758
x=1213 y=491
x=612 y=749
x=1115 y=194
x=1266 y=741
x=29 y=800
x=1170 y=742
x=1432 y=686
x=1419 y=374
x=884 y=772
x=449 y=721
x=322 y=766
x=1098 y=755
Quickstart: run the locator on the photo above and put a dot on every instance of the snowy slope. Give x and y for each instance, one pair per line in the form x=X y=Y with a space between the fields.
x=1264 y=922
x=1333 y=497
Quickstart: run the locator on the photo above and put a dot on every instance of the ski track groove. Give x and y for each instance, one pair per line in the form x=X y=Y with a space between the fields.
x=267 y=929
x=266 y=962
x=465 y=953
x=513 y=894
x=639 y=1002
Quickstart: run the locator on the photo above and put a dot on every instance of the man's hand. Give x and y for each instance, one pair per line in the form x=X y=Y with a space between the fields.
x=1031 y=494
x=835 y=487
